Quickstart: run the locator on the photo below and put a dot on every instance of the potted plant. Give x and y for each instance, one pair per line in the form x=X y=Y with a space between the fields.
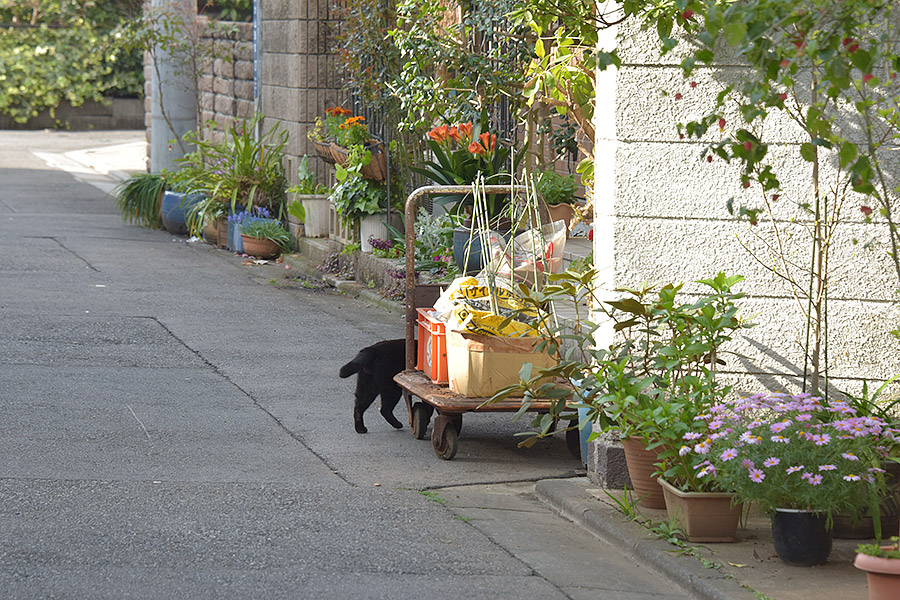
x=341 y=132
x=310 y=204
x=649 y=384
x=799 y=457
x=242 y=171
x=662 y=374
x=882 y=567
x=139 y=197
x=558 y=192
x=462 y=154
x=360 y=202
x=237 y=221
x=264 y=238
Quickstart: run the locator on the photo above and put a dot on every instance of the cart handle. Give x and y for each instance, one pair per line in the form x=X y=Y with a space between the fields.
x=412 y=204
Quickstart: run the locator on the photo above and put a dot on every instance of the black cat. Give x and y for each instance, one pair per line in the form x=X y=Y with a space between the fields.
x=376 y=367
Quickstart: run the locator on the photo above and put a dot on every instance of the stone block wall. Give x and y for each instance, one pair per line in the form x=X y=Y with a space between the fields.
x=661 y=216
x=298 y=77
x=226 y=91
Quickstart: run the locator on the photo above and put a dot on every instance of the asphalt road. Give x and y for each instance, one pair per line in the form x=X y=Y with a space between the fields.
x=172 y=426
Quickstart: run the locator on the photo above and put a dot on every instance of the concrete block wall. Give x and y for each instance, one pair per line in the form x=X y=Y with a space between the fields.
x=226 y=91
x=298 y=77
x=661 y=217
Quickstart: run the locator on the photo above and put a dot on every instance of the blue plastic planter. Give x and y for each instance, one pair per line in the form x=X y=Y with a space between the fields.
x=234 y=234
x=584 y=433
x=173 y=211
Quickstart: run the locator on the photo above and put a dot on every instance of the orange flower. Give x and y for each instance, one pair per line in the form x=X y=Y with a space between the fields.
x=337 y=111
x=351 y=122
x=454 y=135
x=489 y=141
x=466 y=130
x=439 y=134
x=476 y=148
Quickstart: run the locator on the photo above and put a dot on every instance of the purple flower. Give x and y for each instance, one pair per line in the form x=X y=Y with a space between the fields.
x=728 y=454
x=756 y=475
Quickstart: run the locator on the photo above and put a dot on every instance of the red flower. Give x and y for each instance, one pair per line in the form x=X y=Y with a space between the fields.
x=687 y=14
x=850 y=44
x=866 y=210
x=721 y=124
x=748 y=146
x=678 y=96
x=868 y=77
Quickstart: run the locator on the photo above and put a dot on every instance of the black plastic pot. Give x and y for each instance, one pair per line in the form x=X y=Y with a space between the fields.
x=801 y=537
x=460 y=243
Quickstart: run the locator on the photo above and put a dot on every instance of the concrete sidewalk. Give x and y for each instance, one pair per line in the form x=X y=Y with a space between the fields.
x=745 y=569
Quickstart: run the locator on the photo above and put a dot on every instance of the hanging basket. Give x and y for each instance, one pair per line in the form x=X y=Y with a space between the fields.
x=376 y=170
x=323 y=149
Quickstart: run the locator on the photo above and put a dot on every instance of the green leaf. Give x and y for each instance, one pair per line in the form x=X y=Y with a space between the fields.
x=808 y=152
x=735 y=33
x=848 y=154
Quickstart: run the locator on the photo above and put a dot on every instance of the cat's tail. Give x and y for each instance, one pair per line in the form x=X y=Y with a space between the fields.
x=354 y=366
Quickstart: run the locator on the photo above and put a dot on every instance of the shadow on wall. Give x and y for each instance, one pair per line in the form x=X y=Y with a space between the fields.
x=790 y=377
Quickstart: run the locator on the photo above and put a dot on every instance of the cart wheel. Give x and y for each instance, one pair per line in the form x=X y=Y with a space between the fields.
x=456 y=421
x=447 y=444
x=420 y=418
x=573 y=443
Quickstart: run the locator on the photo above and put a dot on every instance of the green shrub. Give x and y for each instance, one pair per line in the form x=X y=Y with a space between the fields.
x=52 y=51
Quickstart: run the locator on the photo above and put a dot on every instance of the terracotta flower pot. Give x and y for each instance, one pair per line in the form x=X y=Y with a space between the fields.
x=260 y=248
x=562 y=212
x=702 y=516
x=882 y=574
x=641 y=467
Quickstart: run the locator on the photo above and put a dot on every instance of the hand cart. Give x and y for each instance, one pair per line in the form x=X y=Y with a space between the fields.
x=434 y=397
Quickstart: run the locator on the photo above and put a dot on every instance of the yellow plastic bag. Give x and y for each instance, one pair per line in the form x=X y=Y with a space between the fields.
x=472 y=311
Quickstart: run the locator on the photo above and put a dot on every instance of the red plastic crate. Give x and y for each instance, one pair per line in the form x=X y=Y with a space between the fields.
x=432 y=350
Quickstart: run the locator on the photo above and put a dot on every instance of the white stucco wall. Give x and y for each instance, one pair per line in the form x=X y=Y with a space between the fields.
x=661 y=217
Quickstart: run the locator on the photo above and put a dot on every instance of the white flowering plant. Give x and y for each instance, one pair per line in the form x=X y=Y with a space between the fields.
x=790 y=451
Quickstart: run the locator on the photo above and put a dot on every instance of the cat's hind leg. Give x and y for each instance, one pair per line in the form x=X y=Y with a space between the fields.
x=364 y=399
x=390 y=396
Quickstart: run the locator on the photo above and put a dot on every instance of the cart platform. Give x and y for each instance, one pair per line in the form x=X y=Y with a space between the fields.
x=450 y=407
